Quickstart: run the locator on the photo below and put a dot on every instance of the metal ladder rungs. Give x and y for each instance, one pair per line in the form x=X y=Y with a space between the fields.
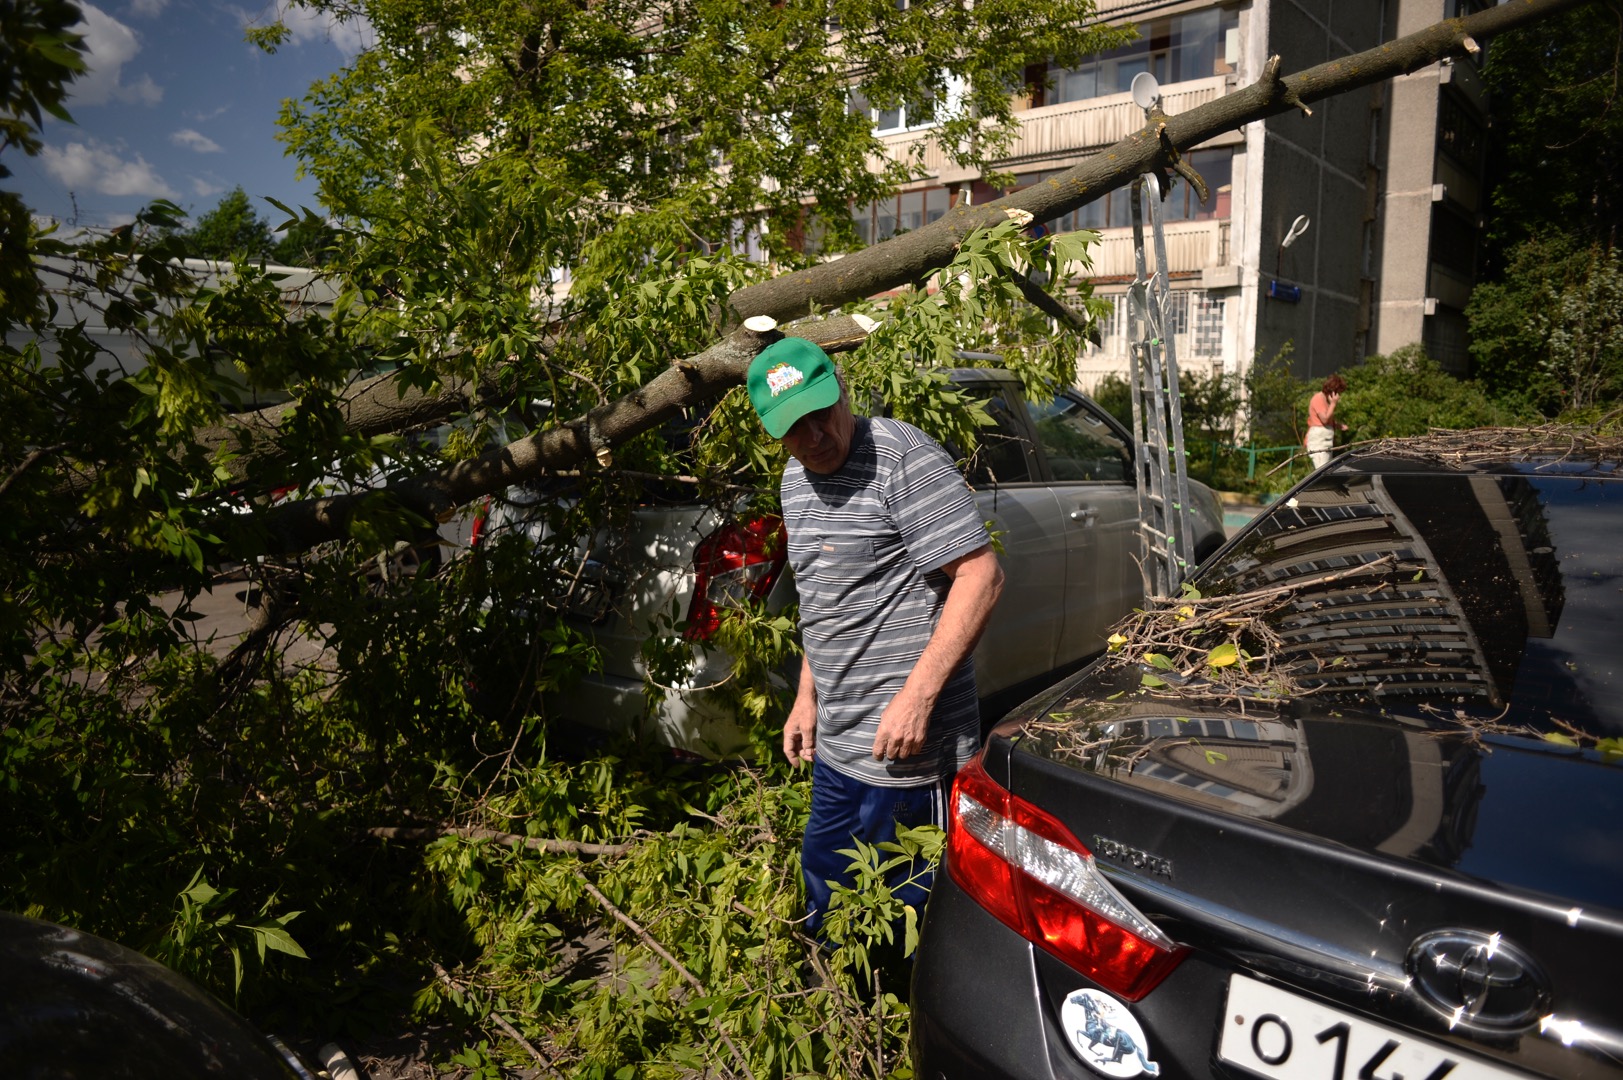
x=1162 y=469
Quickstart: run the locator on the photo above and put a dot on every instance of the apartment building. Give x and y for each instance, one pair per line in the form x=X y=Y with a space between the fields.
x=1386 y=181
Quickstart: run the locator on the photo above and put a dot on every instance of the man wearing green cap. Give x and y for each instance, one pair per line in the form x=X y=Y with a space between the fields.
x=897 y=579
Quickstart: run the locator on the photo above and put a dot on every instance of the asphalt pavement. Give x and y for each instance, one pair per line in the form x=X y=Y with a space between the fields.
x=222 y=619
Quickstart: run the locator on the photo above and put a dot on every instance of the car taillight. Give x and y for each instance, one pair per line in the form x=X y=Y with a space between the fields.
x=1027 y=869
x=737 y=563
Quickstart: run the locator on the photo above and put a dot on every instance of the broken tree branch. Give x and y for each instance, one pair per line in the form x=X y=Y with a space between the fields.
x=676 y=965
x=544 y=844
x=691 y=381
x=502 y=1022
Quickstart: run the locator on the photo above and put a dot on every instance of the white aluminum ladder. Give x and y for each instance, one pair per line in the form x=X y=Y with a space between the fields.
x=1161 y=465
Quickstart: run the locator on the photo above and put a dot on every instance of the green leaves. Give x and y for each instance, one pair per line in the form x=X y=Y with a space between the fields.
x=206 y=930
x=41 y=56
x=581 y=102
x=706 y=946
x=276 y=938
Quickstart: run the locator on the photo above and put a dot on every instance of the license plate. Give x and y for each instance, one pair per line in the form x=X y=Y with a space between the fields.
x=1285 y=1036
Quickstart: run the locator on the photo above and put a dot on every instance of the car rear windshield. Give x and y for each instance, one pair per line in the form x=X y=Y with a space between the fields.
x=1500 y=595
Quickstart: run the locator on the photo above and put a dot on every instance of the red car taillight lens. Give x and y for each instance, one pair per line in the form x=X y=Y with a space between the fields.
x=1027 y=869
x=480 y=517
x=737 y=563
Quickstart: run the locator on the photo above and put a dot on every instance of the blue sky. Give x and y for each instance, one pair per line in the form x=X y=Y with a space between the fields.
x=178 y=106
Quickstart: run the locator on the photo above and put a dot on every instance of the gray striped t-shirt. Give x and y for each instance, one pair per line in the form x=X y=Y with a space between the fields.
x=867 y=544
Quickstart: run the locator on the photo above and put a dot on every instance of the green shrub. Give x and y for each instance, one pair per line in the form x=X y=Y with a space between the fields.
x=1407 y=393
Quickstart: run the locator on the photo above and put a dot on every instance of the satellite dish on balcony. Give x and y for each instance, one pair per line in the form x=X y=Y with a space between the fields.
x=1146 y=91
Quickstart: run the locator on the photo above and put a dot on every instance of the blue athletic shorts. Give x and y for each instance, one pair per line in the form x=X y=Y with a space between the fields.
x=843 y=810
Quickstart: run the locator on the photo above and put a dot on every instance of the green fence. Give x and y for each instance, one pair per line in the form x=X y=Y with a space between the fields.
x=1258 y=470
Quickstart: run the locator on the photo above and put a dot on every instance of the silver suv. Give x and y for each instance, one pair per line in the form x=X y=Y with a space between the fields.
x=1055 y=482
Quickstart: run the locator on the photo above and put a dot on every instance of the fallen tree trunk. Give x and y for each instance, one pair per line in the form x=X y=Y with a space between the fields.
x=690 y=381
x=914 y=255
x=891 y=264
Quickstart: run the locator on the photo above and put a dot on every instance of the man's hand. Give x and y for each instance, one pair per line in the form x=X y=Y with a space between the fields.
x=800 y=729
x=902 y=728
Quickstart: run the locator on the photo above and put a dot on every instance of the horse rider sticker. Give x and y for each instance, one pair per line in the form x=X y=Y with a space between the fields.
x=1106 y=1036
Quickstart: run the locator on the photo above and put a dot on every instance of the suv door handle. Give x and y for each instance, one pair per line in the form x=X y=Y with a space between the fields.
x=1085 y=514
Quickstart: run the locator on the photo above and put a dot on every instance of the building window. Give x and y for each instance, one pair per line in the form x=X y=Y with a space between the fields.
x=889 y=121
x=1459 y=136
x=1175 y=49
x=1453 y=242
x=906 y=212
x=743 y=238
x=1208 y=317
x=1194 y=320
x=1113 y=328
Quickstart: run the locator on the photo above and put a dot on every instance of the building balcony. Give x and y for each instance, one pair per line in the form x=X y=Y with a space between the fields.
x=1192 y=247
x=1458 y=184
x=1055 y=132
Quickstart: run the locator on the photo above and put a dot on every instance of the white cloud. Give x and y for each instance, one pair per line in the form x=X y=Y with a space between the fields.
x=197 y=141
x=143 y=91
x=148 y=9
x=205 y=188
x=94 y=166
x=109 y=46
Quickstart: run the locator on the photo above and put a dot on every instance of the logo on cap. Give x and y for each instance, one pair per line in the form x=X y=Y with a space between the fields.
x=782 y=377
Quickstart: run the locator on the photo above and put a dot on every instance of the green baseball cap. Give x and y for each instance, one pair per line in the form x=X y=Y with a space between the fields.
x=788 y=379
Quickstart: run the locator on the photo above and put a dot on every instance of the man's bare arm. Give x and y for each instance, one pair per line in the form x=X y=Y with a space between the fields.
x=977 y=581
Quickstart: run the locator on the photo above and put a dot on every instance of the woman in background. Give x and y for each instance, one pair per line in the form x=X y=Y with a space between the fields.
x=1321 y=421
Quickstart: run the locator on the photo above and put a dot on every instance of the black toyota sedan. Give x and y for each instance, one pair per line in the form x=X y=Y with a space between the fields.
x=1349 y=809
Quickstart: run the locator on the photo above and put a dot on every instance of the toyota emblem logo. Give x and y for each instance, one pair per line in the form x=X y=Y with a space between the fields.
x=1478 y=981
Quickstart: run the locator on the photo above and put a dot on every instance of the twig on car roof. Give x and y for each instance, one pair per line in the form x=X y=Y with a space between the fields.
x=1225 y=648
x=1473 y=446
